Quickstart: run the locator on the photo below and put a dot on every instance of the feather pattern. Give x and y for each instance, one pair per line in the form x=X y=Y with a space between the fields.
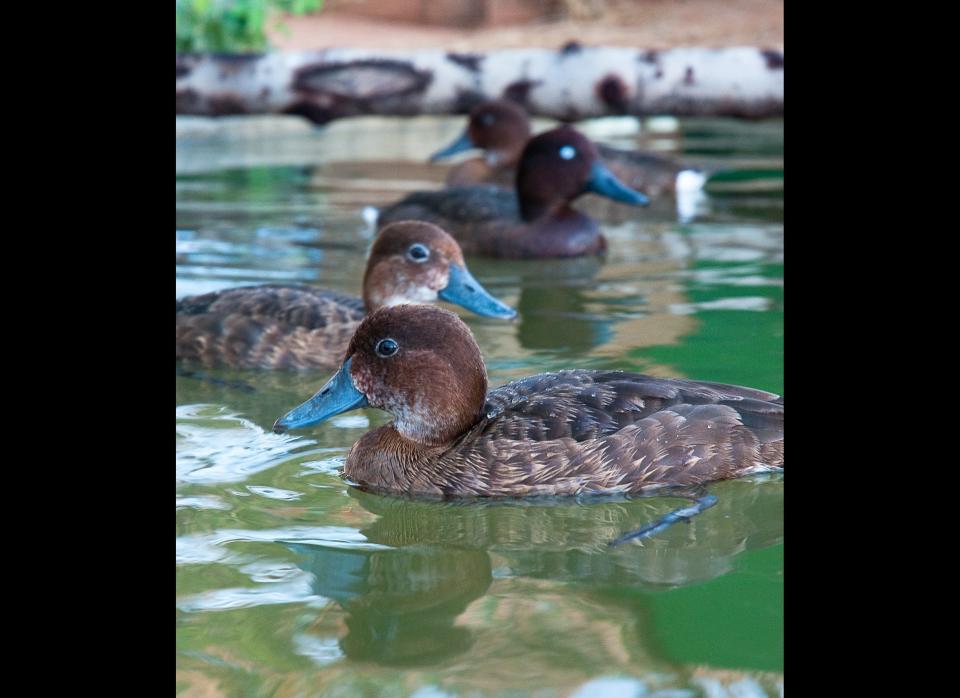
x=269 y=326
x=582 y=431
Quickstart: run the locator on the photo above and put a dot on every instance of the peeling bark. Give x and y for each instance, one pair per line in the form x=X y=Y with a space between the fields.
x=571 y=83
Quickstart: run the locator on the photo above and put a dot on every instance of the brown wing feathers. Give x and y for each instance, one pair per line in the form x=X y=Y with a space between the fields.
x=584 y=430
x=267 y=326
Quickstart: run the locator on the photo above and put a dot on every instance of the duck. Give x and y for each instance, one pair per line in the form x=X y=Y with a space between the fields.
x=302 y=327
x=570 y=432
x=501 y=128
x=535 y=220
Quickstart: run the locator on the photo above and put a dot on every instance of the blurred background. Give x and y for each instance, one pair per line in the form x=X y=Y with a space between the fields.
x=212 y=25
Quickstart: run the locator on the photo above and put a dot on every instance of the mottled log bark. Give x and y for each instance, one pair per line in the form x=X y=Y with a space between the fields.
x=569 y=84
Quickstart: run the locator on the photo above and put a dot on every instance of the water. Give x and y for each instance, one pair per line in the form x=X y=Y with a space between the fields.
x=291 y=583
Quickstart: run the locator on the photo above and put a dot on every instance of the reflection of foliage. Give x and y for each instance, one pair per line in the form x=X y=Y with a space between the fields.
x=231 y=25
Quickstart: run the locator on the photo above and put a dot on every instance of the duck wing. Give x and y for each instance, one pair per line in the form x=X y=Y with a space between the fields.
x=269 y=326
x=455 y=207
x=584 y=404
x=614 y=431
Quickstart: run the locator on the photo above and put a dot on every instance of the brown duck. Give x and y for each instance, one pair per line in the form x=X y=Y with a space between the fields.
x=563 y=433
x=535 y=219
x=501 y=128
x=302 y=327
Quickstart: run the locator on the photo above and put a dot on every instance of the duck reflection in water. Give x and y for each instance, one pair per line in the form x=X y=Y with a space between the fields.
x=402 y=602
x=554 y=308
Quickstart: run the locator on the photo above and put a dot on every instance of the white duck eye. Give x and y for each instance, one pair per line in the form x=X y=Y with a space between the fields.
x=568 y=152
x=386 y=348
x=418 y=253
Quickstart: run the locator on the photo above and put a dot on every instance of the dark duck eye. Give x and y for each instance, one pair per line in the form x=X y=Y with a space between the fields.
x=568 y=152
x=418 y=253
x=387 y=348
x=487 y=119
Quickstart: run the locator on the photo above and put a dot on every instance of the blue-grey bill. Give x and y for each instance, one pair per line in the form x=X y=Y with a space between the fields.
x=464 y=290
x=460 y=145
x=339 y=395
x=602 y=181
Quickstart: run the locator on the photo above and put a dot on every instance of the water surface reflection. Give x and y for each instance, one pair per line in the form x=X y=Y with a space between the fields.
x=402 y=602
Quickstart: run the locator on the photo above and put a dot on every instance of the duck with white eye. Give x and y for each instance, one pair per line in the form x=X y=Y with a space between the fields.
x=534 y=218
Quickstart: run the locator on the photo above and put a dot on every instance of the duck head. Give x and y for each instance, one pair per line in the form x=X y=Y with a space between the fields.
x=558 y=166
x=418 y=362
x=417 y=262
x=498 y=127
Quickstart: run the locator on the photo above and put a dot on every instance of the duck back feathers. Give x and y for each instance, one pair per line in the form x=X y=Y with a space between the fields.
x=269 y=326
x=590 y=431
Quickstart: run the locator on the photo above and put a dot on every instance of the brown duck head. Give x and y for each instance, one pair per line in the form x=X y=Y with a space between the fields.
x=418 y=262
x=558 y=166
x=498 y=127
x=418 y=362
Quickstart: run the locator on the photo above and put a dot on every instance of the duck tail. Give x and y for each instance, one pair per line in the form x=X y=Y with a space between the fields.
x=370 y=215
x=691 y=180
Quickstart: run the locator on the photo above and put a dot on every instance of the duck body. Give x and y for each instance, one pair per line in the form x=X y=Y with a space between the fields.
x=535 y=219
x=580 y=432
x=269 y=326
x=486 y=220
x=301 y=327
x=565 y=433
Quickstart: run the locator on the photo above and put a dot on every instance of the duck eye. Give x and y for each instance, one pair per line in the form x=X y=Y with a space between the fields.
x=387 y=348
x=487 y=119
x=418 y=253
x=568 y=152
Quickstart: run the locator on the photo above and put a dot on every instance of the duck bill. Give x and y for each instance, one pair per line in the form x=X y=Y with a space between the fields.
x=463 y=143
x=464 y=290
x=603 y=182
x=337 y=396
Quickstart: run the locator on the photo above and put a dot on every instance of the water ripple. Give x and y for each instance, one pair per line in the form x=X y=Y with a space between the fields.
x=216 y=446
x=299 y=590
x=208 y=547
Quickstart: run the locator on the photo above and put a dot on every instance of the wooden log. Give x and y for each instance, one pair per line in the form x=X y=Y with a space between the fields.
x=570 y=84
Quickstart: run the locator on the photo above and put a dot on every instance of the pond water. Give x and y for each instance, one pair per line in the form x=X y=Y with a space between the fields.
x=291 y=583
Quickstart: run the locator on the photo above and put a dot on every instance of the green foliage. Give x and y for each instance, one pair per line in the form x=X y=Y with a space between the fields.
x=232 y=25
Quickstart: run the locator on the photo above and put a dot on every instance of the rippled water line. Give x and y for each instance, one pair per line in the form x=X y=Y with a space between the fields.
x=208 y=547
x=215 y=446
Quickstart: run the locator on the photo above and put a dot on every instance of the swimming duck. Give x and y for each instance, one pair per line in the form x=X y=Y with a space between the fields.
x=300 y=327
x=564 y=433
x=536 y=219
x=500 y=128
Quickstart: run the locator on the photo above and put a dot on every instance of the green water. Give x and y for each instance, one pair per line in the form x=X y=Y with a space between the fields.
x=290 y=583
